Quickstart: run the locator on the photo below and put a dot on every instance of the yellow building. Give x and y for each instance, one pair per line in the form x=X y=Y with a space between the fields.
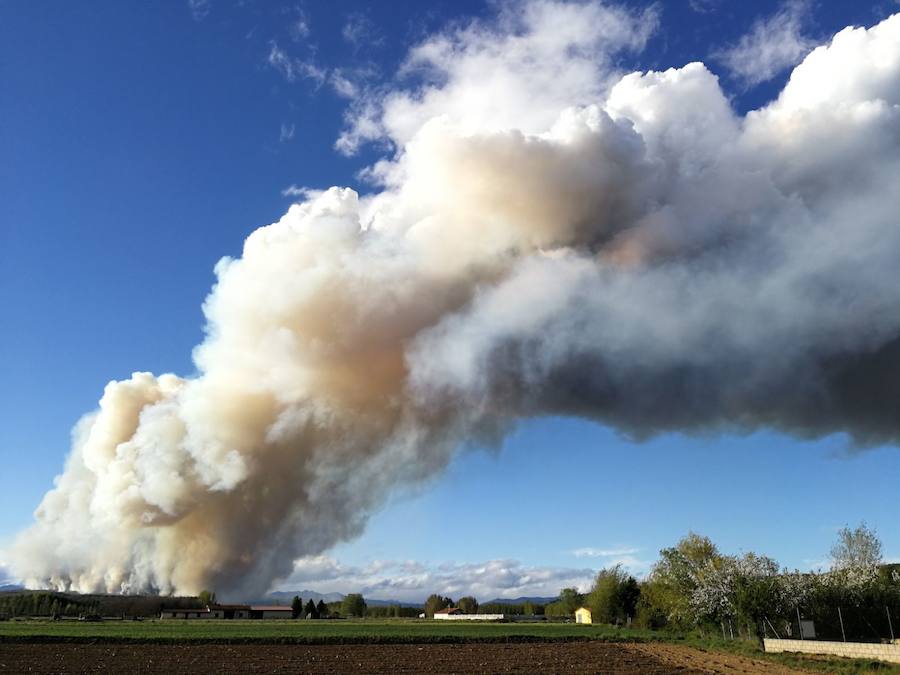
x=583 y=615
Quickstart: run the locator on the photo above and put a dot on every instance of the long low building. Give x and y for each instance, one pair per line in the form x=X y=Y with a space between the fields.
x=454 y=614
x=229 y=612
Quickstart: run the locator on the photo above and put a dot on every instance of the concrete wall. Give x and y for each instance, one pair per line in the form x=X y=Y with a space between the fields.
x=853 y=650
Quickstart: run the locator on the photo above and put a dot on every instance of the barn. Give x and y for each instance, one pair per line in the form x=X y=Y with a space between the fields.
x=208 y=612
x=229 y=612
x=195 y=613
x=270 y=612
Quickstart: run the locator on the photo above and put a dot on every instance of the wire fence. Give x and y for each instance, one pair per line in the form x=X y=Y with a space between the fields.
x=837 y=623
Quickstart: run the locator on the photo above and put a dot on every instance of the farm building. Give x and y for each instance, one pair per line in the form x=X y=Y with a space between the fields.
x=196 y=613
x=229 y=612
x=456 y=614
x=270 y=612
x=583 y=615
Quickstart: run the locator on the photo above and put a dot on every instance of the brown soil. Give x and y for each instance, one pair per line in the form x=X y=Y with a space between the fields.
x=556 y=657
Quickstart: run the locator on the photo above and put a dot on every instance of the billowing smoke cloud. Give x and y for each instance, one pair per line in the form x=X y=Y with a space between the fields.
x=548 y=239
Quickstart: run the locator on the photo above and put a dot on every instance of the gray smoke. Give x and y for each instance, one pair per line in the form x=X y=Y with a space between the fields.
x=550 y=238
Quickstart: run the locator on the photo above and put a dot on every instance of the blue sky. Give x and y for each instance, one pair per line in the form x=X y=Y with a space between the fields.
x=143 y=142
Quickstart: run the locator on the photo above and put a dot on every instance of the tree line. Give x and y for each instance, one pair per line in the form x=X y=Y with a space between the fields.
x=695 y=587
x=50 y=603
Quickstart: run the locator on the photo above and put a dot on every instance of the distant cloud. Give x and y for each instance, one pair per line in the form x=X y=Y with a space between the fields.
x=342 y=85
x=300 y=191
x=294 y=68
x=300 y=29
x=816 y=564
x=199 y=9
x=589 y=552
x=345 y=82
x=704 y=6
x=287 y=133
x=773 y=44
x=359 y=29
x=413 y=581
x=625 y=556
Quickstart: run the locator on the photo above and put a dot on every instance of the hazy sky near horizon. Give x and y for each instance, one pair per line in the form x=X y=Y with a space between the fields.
x=141 y=143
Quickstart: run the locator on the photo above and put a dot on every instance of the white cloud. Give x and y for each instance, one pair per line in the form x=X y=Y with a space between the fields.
x=287 y=132
x=704 y=6
x=484 y=75
x=294 y=68
x=300 y=191
x=589 y=552
x=625 y=556
x=816 y=564
x=343 y=85
x=359 y=29
x=413 y=581
x=299 y=29
x=199 y=9
x=773 y=45
x=345 y=82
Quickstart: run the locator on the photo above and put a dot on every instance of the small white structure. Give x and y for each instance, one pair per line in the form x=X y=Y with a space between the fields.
x=583 y=615
x=455 y=614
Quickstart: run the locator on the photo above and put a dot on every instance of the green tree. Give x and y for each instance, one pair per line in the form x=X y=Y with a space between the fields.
x=322 y=609
x=468 y=605
x=679 y=572
x=571 y=599
x=859 y=547
x=296 y=607
x=311 y=611
x=614 y=596
x=436 y=603
x=353 y=605
x=207 y=597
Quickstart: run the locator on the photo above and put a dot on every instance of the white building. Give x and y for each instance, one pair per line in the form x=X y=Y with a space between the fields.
x=455 y=614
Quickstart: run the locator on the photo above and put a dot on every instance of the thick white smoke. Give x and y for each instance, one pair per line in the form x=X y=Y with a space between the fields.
x=549 y=239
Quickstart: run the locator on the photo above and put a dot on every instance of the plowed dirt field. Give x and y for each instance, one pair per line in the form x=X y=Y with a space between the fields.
x=555 y=657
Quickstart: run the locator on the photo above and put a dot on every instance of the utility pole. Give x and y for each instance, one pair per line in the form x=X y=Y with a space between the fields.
x=799 y=622
x=890 y=625
x=841 y=618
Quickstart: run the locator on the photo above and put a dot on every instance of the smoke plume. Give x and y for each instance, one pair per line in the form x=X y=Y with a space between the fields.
x=549 y=237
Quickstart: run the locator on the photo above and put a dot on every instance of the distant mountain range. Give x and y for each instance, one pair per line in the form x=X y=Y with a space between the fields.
x=285 y=597
x=534 y=600
x=11 y=588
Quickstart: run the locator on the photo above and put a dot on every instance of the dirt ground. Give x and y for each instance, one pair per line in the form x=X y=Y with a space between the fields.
x=557 y=657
